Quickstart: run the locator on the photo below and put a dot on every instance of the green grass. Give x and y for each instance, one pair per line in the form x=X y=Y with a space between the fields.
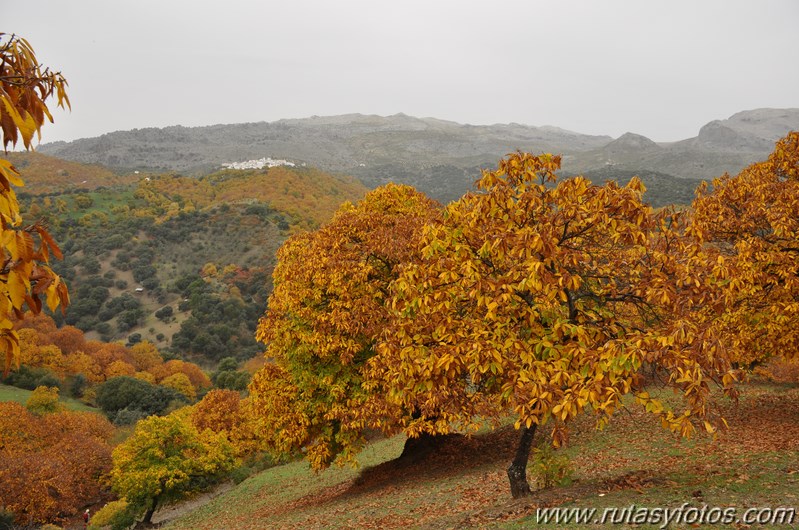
x=632 y=461
x=11 y=393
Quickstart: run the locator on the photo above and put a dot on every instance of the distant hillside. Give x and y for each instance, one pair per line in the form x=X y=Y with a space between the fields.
x=721 y=146
x=441 y=158
x=183 y=262
x=47 y=174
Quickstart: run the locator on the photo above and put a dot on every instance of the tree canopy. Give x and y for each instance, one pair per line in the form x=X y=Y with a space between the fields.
x=752 y=221
x=546 y=298
x=167 y=459
x=323 y=320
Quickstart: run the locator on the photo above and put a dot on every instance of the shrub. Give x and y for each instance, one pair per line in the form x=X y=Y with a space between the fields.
x=116 y=515
x=548 y=468
x=29 y=378
x=165 y=313
x=44 y=400
x=133 y=394
x=150 y=284
x=232 y=380
x=128 y=417
x=77 y=386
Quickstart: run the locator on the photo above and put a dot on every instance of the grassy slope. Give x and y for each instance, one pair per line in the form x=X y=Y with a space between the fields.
x=11 y=393
x=633 y=461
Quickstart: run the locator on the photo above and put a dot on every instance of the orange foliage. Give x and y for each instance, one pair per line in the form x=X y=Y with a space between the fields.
x=253 y=365
x=326 y=312
x=69 y=339
x=217 y=411
x=26 y=279
x=47 y=356
x=224 y=411
x=780 y=370
x=47 y=174
x=43 y=324
x=118 y=369
x=145 y=376
x=198 y=378
x=65 y=351
x=180 y=382
x=81 y=363
x=752 y=220
x=295 y=191
x=105 y=353
x=50 y=465
x=145 y=356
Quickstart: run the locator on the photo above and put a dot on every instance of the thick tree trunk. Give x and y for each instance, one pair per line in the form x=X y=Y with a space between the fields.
x=148 y=515
x=517 y=472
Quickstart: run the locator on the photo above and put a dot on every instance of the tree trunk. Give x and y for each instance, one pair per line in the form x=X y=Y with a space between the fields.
x=148 y=515
x=517 y=472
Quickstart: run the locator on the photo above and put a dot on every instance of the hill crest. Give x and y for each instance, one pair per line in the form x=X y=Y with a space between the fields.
x=440 y=158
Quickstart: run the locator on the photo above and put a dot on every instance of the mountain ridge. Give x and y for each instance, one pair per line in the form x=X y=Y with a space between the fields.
x=441 y=158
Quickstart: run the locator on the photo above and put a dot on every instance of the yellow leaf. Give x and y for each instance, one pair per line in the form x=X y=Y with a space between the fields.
x=16 y=289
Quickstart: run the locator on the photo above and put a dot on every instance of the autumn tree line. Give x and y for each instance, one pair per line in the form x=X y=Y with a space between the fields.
x=534 y=298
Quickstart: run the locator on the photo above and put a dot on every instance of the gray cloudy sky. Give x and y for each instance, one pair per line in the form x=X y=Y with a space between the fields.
x=658 y=68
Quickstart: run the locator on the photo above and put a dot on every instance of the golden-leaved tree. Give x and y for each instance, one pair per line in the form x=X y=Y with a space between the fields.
x=224 y=411
x=324 y=317
x=25 y=86
x=752 y=220
x=166 y=459
x=546 y=298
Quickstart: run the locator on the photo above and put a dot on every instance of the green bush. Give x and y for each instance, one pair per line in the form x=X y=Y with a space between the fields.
x=29 y=378
x=136 y=397
x=6 y=520
x=77 y=385
x=118 y=515
x=548 y=468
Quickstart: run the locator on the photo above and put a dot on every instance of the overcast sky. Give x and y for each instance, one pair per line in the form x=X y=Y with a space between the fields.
x=662 y=69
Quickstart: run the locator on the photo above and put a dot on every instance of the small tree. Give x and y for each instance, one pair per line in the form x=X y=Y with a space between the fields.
x=166 y=459
x=180 y=383
x=133 y=394
x=44 y=400
x=50 y=464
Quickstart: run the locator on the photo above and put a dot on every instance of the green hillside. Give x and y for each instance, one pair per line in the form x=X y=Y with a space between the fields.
x=45 y=174
x=20 y=395
x=182 y=262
